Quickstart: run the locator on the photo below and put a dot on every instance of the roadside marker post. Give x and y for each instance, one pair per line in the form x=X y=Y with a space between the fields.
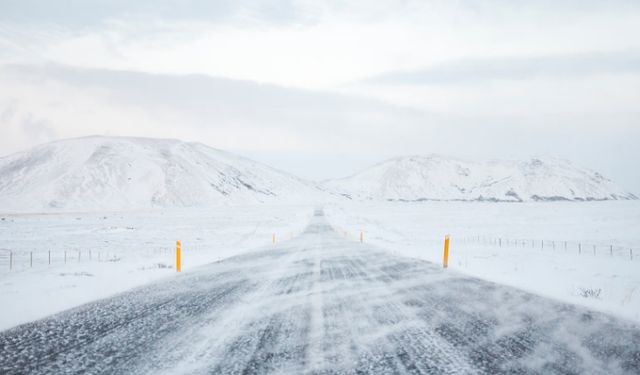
x=445 y=259
x=178 y=256
x=273 y=238
x=361 y=236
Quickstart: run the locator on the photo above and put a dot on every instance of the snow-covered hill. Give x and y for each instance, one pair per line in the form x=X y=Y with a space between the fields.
x=116 y=173
x=436 y=177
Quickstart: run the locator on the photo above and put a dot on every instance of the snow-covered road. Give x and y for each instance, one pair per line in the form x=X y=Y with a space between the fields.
x=323 y=304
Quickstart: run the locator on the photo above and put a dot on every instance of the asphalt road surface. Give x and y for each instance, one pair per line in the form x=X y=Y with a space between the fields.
x=323 y=304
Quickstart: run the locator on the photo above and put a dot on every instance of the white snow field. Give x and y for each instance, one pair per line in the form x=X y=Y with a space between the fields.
x=127 y=249
x=323 y=304
x=142 y=244
x=442 y=178
x=511 y=250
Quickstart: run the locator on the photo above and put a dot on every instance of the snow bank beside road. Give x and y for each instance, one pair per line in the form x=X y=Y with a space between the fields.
x=140 y=247
x=602 y=282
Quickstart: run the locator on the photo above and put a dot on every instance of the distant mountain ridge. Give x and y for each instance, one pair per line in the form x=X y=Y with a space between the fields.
x=116 y=173
x=441 y=178
x=121 y=173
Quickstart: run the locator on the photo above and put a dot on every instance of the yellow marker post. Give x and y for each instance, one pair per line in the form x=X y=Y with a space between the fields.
x=178 y=256
x=445 y=260
x=273 y=238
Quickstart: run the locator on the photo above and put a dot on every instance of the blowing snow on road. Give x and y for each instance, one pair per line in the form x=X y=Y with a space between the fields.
x=323 y=304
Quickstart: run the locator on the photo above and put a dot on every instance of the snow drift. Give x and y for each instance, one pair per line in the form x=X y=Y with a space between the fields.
x=116 y=173
x=435 y=177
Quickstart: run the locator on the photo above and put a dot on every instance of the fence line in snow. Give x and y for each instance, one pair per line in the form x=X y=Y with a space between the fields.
x=23 y=259
x=11 y=260
x=578 y=247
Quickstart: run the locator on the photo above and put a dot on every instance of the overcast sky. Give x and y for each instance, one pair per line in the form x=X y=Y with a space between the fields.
x=325 y=88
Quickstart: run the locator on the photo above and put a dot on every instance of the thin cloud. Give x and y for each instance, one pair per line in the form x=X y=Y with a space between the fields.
x=200 y=103
x=469 y=71
x=82 y=14
x=212 y=97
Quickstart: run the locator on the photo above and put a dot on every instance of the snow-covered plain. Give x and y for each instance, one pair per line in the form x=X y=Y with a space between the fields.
x=133 y=248
x=128 y=249
x=323 y=304
x=418 y=230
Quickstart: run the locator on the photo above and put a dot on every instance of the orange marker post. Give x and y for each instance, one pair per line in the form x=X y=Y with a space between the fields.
x=178 y=256
x=445 y=259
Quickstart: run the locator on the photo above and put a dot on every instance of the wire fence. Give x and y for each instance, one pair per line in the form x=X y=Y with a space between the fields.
x=13 y=260
x=575 y=247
